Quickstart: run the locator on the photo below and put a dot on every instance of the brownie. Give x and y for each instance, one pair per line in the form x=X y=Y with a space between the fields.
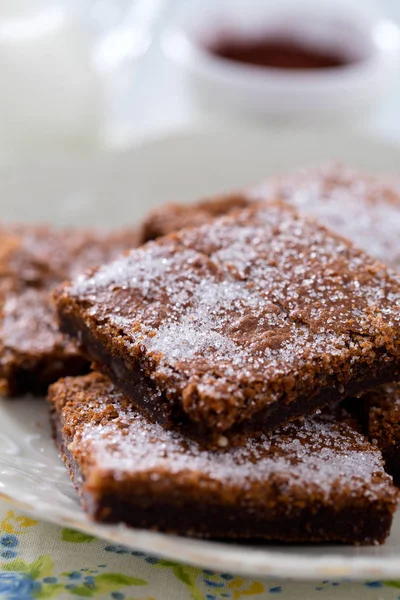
x=169 y=218
x=318 y=481
x=258 y=317
x=362 y=207
x=33 y=260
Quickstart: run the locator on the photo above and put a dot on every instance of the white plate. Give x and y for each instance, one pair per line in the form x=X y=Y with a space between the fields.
x=119 y=189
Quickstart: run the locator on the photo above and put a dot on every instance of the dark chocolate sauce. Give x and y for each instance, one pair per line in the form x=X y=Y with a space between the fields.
x=278 y=53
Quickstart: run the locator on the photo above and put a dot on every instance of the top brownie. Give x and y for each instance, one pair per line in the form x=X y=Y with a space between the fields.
x=260 y=316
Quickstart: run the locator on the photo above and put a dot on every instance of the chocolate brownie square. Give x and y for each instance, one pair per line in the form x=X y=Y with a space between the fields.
x=258 y=317
x=33 y=260
x=318 y=481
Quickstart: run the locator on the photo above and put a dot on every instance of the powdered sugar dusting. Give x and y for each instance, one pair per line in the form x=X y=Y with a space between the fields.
x=214 y=305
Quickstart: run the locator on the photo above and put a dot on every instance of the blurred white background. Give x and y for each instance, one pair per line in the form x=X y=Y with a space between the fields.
x=161 y=104
x=80 y=75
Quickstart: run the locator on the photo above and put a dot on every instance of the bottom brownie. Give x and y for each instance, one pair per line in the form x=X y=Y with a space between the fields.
x=318 y=481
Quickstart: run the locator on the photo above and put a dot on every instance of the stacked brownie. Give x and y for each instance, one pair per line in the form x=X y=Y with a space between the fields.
x=222 y=351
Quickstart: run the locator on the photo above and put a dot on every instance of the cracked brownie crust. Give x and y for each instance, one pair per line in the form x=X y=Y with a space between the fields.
x=315 y=481
x=260 y=316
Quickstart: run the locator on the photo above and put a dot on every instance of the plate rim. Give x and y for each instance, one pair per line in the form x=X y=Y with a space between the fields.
x=260 y=562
